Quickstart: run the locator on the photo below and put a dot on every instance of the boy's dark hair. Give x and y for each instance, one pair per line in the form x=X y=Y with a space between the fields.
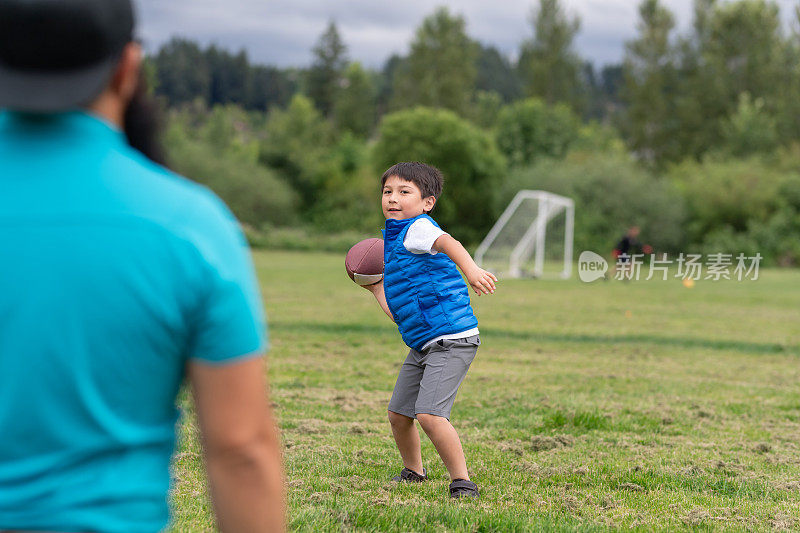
x=429 y=179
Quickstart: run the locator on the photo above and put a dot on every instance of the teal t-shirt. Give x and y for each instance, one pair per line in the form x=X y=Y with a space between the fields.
x=114 y=272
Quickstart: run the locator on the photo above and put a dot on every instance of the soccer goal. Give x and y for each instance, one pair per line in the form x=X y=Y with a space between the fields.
x=531 y=227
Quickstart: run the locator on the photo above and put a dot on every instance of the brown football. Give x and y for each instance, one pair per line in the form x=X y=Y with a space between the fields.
x=364 y=262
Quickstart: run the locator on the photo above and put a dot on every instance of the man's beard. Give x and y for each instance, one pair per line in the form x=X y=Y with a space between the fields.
x=143 y=124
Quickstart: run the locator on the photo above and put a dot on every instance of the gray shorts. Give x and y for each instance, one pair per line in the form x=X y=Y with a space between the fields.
x=429 y=379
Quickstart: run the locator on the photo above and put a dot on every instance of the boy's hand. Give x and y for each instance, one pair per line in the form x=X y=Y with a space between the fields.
x=374 y=287
x=481 y=281
x=377 y=291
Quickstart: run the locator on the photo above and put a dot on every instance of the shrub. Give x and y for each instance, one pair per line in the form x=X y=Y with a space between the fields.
x=254 y=194
x=611 y=193
x=724 y=193
x=467 y=157
x=529 y=129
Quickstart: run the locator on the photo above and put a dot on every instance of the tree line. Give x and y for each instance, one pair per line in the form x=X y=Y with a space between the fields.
x=692 y=118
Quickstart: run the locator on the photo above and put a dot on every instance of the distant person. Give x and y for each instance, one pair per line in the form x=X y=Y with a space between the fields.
x=628 y=245
x=423 y=292
x=118 y=281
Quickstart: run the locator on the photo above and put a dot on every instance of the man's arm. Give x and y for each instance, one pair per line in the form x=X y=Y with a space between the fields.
x=241 y=445
x=481 y=281
x=377 y=290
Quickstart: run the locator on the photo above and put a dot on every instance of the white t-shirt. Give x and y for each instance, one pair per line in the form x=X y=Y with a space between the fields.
x=419 y=239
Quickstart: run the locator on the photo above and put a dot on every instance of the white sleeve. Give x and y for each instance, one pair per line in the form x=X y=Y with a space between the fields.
x=420 y=237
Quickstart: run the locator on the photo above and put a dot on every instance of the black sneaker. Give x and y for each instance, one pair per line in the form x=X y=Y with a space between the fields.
x=411 y=476
x=463 y=488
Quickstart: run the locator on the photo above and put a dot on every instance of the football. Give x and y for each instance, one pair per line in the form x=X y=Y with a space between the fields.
x=364 y=262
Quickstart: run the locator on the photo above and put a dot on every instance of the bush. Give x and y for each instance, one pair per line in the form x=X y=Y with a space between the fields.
x=349 y=196
x=728 y=193
x=529 y=129
x=297 y=144
x=254 y=194
x=611 y=193
x=743 y=206
x=467 y=157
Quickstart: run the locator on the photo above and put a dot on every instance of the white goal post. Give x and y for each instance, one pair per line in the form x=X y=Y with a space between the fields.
x=521 y=231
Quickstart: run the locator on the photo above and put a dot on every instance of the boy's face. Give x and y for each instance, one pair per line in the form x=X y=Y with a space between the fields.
x=402 y=199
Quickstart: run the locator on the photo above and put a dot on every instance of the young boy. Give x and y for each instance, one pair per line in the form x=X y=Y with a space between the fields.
x=425 y=295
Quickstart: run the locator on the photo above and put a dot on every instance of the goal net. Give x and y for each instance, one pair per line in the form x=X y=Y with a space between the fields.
x=533 y=237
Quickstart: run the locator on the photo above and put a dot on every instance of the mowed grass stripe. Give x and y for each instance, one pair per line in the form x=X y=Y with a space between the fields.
x=535 y=336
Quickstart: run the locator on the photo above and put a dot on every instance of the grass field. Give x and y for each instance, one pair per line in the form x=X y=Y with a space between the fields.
x=596 y=407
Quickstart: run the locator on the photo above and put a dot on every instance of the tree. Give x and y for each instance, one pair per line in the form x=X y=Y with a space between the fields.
x=466 y=155
x=268 y=86
x=496 y=74
x=440 y=70
x=354 y=107
x=206 y=148
x=182 y=72
x=386 y=81
x=548 y=66
x=529 y=129
x=297 y=144
x=736 y=47
x=229 y=75
x=745 y=38
x=749 y=130
x=325 y=74
x=650 y=81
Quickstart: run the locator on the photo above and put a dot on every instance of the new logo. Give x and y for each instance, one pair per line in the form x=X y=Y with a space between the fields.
x=591 y=266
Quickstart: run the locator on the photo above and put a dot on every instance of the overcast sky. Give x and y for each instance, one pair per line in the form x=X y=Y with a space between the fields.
x=282 y=32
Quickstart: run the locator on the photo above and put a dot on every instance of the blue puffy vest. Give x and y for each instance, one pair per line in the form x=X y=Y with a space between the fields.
x=426 y=294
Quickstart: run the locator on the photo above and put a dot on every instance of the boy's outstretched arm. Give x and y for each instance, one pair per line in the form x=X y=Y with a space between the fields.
x=377 y=290
x=481 y=281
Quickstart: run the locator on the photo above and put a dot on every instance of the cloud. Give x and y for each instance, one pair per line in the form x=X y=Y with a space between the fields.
x=283 y=32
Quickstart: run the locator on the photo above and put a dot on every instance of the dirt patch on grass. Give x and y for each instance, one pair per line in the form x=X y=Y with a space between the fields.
x=540 y=443
x=782 y=522
x=633 y=487
x=692 y=470
x=762 y=447
x=358 y=429
x=511 y=447
x=312 y=427
x=608 y=503
x=791 y=486
x=696 y=516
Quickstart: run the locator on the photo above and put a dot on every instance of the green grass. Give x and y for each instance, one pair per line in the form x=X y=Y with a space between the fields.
x=594 y=407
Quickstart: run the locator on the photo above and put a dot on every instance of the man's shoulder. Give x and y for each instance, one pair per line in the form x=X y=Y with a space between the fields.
x=179 y=205
x=167 y=189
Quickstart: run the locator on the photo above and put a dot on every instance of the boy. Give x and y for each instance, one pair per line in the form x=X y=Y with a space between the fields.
x=425 y=295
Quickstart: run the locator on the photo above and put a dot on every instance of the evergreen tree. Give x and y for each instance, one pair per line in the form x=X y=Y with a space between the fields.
x=496 y=74
x=182 y=72
x=229 y=76
x=736 y=48
x=650 y=83
x=325 y=74
x=268 y=86
x=440 y=70
x=354 y=108
x=548 y=66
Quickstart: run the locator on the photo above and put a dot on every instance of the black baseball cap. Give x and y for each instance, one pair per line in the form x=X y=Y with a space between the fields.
x=60 y=54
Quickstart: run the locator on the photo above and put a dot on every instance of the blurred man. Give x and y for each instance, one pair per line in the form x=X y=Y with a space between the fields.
x=118 y=280
x=629 y=243
x=627 y=246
